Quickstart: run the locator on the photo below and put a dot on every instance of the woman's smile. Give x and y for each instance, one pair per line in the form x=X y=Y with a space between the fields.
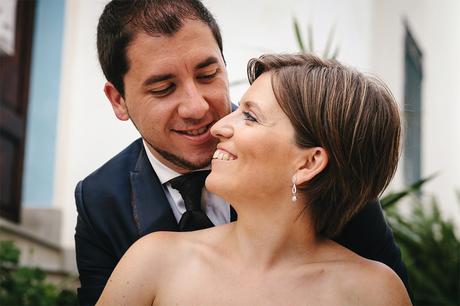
x=221 y=154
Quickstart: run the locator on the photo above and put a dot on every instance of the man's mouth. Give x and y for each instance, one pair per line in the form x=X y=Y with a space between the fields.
x=223 y=155
x=194 y=132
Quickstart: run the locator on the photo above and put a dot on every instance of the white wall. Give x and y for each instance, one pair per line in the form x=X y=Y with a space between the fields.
x=88 y=132
x=251 y=28
x=440 y=38
x=436 y=29
x=370 y=36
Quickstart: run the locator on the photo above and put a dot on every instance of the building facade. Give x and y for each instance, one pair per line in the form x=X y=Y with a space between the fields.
x=71 y=130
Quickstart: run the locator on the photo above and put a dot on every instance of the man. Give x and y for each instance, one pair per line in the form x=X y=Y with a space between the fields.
x=166 y=72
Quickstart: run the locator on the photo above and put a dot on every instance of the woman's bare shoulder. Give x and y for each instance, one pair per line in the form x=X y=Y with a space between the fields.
x=137 y=275
x=368 y=282
x=150 y=262
x=157 y=242
x=170 y=246
x=360 y=281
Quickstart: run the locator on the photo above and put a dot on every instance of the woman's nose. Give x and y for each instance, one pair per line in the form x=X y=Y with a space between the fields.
x=223 y=128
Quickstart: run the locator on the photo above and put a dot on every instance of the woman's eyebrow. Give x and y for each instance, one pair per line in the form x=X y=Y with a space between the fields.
x=250 y=104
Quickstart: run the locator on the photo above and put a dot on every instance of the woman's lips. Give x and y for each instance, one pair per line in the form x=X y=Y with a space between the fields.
x=223 y=155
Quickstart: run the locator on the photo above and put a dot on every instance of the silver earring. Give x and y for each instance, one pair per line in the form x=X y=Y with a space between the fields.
x=294 y=189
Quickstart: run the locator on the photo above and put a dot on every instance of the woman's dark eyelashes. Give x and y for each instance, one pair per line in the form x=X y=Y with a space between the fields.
x=249 y=117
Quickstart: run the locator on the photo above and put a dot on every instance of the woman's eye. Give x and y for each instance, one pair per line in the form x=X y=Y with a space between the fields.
x=249 y=117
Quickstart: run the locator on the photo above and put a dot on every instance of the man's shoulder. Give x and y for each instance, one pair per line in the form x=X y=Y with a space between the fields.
x=104 y=206
x=111 y=181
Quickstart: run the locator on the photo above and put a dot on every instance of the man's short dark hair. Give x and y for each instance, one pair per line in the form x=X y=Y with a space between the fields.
x=121 y=20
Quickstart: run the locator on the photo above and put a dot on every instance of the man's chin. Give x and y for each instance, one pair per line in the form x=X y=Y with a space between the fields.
x=182 y=162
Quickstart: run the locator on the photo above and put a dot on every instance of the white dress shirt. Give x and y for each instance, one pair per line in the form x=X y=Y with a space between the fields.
x=215 y=207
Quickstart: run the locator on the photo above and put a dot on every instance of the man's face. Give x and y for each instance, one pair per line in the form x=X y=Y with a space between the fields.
x=176 y=88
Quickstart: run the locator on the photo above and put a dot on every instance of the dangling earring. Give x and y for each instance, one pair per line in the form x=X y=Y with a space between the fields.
x=294 y=189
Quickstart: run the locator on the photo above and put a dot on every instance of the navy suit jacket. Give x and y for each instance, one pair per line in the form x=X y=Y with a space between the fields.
x=123 y=200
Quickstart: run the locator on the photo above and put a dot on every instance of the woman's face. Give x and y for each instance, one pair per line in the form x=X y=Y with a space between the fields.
x=256 y=154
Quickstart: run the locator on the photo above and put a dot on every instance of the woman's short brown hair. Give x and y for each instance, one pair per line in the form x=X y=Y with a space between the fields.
x=352 y=116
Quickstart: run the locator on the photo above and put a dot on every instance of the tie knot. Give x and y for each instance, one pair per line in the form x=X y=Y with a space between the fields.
x=190 y=186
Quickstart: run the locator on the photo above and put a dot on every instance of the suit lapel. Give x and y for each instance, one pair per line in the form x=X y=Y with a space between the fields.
x=233 y=214
x=151 y=208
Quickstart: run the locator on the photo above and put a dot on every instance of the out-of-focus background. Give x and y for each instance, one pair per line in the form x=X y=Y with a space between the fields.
x=56 y=125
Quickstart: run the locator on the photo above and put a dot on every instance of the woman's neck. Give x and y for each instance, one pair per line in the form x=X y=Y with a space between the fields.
x=268 y=234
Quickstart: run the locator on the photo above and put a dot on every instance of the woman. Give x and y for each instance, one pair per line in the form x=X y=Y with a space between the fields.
x=311 y=142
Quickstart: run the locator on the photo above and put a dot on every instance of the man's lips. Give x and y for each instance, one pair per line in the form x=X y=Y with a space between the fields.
x=198 y=136
x=194 y=132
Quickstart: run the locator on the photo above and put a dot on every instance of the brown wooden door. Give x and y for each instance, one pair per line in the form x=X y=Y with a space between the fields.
x=14 y=90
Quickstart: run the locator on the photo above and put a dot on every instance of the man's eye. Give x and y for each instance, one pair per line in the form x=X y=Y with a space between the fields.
x=208 y=76
x=163 y=91
x=249 y=117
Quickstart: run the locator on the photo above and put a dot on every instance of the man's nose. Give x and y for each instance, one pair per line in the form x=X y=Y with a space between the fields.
x=193 y=104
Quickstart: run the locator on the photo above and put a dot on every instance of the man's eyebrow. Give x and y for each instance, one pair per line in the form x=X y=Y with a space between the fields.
x=208 y=61
x=157 y=78
x=163 y=77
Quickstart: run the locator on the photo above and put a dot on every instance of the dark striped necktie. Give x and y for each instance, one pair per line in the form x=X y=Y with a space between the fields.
x=190 y=186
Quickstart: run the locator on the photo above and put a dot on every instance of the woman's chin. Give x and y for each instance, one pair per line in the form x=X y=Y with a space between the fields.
x=216 y=185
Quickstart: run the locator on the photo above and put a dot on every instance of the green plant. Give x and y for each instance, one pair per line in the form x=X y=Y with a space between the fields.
x=429 y=247
x=310 y=48
x=25 y=285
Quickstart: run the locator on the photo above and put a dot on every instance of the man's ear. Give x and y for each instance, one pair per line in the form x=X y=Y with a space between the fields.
x=315 y=160
x=117 y=101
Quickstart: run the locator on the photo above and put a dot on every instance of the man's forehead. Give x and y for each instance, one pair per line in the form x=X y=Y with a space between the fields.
x=191 y=32
x=160 y=50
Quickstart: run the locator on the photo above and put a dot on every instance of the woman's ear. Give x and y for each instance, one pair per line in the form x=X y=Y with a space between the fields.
x=314 y=161
x=117 y=101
